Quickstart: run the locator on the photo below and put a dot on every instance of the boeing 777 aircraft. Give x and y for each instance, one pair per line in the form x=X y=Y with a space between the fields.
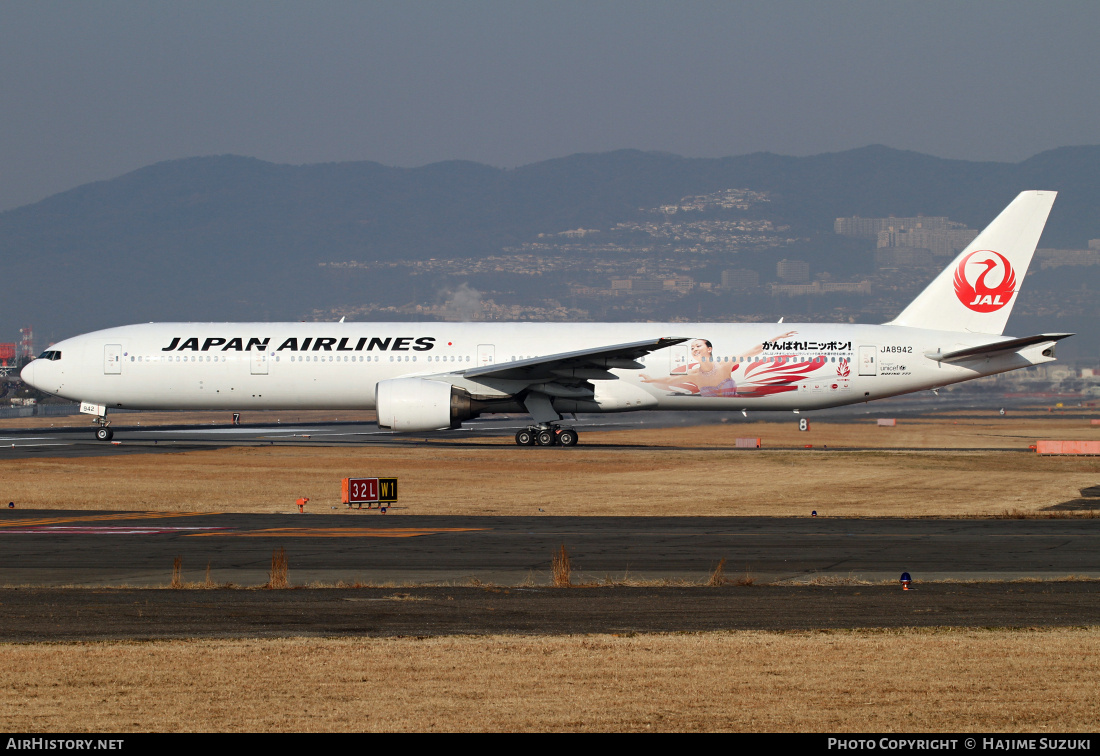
x=432 y=376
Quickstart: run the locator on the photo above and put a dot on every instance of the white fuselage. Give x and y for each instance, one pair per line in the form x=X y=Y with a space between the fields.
x=748 y=366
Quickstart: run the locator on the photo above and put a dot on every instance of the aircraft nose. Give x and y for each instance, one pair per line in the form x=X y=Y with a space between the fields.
x=27 y=374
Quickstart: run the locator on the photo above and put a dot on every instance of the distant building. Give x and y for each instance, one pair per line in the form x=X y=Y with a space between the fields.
x=869 y=228
x=682 y=284
x=903 y=258
x=1094 y=243
x=821 y=287
x=636 y=285
x=793 y=271
x=934 y=232
x=740 y=278
x=942 y=243
x=853 y=287
x=1056 y=258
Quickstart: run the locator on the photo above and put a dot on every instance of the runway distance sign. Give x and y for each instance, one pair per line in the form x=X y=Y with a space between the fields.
x=369 y=491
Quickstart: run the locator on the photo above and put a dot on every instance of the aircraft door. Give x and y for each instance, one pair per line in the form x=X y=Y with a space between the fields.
x=259 y=363
x=678 y=358
x=867 y=360
x=112 y=359
x=486 y=354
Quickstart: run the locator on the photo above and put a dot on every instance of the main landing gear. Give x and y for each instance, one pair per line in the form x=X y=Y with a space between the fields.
x=547 y=435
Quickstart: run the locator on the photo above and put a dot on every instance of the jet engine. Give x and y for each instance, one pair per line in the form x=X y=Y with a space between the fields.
x=420 y=404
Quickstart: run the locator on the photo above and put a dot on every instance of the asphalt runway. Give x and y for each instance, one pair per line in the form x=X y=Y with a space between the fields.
x=55 y=615
x=96 y=548
x=132 y=439
x=70 y=443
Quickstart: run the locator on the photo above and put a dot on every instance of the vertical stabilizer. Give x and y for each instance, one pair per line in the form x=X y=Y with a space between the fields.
x=977 y=290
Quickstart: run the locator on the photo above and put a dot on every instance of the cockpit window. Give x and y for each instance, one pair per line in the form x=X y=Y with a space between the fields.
x=50 y=354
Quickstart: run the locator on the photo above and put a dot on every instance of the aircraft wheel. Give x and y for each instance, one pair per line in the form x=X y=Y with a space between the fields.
x=525 y=438
x=568 y=437
x=545 y=438
x=104 y=434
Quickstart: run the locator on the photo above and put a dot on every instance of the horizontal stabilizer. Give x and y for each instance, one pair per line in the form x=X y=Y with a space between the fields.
x=996 y=348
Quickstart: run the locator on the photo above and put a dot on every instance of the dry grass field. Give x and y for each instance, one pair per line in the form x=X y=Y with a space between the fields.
x=861 y=681
x=936 y=467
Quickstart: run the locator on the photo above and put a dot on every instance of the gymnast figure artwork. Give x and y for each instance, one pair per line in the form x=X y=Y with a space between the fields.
x=705 y=375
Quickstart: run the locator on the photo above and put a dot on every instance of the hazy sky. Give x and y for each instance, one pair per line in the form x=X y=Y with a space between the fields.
x=91 y=90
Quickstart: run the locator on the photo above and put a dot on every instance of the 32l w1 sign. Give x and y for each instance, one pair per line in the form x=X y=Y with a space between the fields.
x=370 y=491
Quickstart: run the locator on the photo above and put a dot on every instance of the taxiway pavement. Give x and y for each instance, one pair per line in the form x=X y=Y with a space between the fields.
x=285 y=429
x=53 y=615
x=97 y=548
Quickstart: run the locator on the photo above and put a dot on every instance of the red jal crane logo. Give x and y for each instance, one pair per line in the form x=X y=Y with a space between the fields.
x=981 y=297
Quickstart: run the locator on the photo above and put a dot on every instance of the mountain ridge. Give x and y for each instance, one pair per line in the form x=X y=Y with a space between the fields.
x=231 y=236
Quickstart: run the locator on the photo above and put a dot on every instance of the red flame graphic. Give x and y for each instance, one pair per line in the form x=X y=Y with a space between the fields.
x=980 y=297
x=842 y=370
x=775 y=376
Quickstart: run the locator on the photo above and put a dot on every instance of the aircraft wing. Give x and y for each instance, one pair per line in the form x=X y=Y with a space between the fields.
x=996 y=348
x=584 y=364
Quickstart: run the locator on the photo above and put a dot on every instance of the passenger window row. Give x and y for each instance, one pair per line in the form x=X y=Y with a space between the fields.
x=321 y=358
x=179 y=358
x=52 y=355
x=56 y=355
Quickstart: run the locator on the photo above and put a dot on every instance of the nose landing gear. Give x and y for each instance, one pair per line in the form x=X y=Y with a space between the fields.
x=103 y=430
x=547 y=434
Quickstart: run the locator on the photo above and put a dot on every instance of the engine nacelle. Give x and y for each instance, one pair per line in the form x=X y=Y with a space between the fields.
x=419 y=404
